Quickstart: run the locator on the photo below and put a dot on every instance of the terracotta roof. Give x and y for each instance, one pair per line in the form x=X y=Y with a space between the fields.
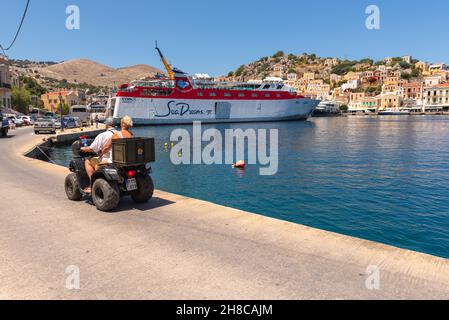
x=412 y=84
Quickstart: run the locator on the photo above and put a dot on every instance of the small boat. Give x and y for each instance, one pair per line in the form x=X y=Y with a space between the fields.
x=394 y=112
x=327 y=109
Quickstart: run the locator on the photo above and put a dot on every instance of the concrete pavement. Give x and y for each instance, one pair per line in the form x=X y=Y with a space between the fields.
x=180 y=248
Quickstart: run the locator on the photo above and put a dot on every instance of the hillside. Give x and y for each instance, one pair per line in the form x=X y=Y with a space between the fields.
x=280 y=65
x=96 y=74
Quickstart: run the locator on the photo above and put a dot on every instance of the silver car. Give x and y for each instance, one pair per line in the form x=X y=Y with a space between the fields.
x=44 y=125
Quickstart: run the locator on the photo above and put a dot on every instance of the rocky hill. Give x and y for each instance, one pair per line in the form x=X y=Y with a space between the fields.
x=82 y=71
x=96 y=74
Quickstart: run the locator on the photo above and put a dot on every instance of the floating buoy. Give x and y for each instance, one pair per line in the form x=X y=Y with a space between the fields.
x=239 y=164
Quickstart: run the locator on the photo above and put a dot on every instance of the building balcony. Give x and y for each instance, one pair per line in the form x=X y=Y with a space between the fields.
x=5 y=85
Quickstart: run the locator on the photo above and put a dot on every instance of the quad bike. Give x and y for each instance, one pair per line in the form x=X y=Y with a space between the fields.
x=112 y=181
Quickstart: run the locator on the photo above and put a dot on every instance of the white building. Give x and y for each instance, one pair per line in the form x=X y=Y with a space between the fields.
x=436 y=98
x=351 y=84
x=5 y=83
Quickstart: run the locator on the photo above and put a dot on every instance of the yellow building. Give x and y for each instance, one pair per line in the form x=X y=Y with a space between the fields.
x=391 y=101
x=309 y=76
x=52 y=100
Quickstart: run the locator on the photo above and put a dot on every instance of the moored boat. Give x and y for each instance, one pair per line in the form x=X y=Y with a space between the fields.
x=394 y=112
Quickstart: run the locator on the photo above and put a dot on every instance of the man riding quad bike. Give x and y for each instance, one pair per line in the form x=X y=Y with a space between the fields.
x=127 y=175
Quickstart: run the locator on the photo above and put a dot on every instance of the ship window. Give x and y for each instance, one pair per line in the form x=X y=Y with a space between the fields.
x=254 y=95
x=212 y=94
x=155 y=92
x=267 y=86
x=241 y=95
x=278 y=95
x=267 y=95
x=227 y=94
x=200 y=94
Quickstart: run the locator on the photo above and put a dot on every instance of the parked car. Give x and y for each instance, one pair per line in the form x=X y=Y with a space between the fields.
x=57 y=122
x=26 y=120
x=18 y=122
x=4 y=125
x=44 y=125
x=71 y=122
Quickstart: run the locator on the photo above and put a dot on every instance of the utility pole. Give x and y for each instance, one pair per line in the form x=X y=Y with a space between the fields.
x=60 y=103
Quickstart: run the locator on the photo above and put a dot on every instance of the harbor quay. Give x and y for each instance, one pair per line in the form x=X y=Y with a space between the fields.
x=176 y=247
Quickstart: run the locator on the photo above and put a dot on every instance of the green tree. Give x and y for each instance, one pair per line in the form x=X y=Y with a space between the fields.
x=21 y=99
x=33 y=86
x=344 y=108
x=405 y=65
x=65 y=109
x=239 y=71
x=279 y=54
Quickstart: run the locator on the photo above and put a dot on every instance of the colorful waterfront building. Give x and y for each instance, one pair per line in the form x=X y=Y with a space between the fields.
x=52 y=100
x=372 y=104
x=412 y=91
x=436 y=98
x=391 y=100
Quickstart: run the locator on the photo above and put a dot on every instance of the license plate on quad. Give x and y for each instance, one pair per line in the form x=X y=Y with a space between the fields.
x=131 y=184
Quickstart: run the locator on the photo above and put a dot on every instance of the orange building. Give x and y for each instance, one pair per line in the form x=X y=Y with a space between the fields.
x=52 y=100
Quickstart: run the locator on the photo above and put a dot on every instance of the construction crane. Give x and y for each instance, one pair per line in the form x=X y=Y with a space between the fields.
x=170 y=72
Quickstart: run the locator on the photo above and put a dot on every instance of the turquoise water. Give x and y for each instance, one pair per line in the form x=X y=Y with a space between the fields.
x=379 y=178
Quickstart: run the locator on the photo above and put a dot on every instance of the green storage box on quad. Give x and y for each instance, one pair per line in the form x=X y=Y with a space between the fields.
x=133 y=151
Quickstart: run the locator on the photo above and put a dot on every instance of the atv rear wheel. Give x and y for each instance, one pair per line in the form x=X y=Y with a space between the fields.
x=72 y=188
x=145 y=191
x=105 y=195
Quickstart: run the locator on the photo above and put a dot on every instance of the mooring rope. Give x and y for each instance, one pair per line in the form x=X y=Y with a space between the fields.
x=39 y=148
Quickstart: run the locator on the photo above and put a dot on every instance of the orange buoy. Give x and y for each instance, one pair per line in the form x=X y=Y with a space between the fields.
x=239 y=164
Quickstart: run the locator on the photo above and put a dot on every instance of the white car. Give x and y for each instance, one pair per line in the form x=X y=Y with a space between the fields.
x=18 y=122
x=26 y=120
x=44 y=125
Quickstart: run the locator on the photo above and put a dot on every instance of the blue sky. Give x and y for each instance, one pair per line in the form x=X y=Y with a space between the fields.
x=216 y=37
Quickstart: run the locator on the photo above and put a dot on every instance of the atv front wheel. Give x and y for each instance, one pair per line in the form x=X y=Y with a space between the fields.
x=72 y=188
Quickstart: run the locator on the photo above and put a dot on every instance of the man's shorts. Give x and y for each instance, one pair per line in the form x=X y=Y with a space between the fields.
x=94 y=161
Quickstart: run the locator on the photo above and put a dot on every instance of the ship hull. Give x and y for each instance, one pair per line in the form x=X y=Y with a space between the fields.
x=145 y=111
